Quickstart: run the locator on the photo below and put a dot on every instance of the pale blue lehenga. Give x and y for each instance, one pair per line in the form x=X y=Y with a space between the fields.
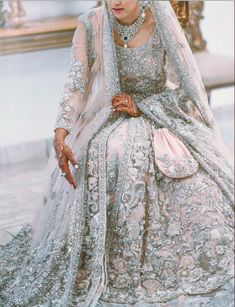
x=165 y=241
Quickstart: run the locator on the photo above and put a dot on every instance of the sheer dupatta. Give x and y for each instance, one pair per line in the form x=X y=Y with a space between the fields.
x=51 y=246
x=52 y=252
x=185 y=109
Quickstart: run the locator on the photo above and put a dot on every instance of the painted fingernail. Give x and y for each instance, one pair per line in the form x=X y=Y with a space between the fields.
x=76 y=166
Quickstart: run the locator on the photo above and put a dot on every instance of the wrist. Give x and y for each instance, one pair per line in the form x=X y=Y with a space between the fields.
x=137 y=114
x=136 y=111
x=60 y=134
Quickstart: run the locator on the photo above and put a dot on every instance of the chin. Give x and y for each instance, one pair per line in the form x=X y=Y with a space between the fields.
x=120 y=15
x=120 y=18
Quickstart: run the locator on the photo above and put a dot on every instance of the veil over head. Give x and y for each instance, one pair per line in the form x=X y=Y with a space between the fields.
x=58 y=229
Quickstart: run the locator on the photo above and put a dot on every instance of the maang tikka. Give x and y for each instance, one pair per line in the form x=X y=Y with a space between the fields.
x=127 y=33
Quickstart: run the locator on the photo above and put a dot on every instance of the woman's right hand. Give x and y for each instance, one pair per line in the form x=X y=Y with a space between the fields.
x=64 y=155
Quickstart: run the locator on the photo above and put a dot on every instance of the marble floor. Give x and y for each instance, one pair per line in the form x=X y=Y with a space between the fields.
x=20 y=183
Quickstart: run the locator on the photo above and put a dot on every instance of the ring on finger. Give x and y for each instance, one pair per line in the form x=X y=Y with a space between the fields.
x=63 y=174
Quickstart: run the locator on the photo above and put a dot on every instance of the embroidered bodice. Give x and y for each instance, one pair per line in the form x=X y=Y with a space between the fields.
x=142 y=69
x=147 y=225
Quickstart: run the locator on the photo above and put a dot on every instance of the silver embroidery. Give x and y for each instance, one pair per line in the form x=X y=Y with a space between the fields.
x=76 y=82
x=135 y=235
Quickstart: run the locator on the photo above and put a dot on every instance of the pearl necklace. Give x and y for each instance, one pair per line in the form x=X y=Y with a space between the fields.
x=127 y=33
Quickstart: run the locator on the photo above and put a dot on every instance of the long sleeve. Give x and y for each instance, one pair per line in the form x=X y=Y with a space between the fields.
x=70 y=104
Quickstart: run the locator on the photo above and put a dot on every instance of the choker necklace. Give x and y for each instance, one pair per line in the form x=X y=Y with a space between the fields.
x=127 y=33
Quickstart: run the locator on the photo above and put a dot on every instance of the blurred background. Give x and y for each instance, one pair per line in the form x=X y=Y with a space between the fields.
x=31 y=82
x=35 y=40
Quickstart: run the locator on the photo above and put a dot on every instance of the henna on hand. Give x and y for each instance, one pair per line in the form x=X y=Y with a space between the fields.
x=125 y=103
x=64 y=155
x=64 y=166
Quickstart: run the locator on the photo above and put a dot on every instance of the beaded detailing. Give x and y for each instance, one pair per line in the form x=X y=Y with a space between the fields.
x=149 y=76
x=129 y=235
x=127 y=33
x=75 y=86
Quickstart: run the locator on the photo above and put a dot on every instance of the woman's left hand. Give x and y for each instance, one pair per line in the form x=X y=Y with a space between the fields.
x=125 y=103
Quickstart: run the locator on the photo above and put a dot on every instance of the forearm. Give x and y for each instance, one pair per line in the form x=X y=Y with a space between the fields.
x=71 y=102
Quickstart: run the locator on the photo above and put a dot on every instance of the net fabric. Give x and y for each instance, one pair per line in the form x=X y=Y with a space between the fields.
x=181 y=58
x=71 y=101
x=52 y=252
x=50 y=246
x=186 y=98
x=91 y=110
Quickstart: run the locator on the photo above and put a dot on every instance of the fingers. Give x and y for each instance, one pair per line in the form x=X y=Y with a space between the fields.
x=70 y=179
x=118 y=109
x=64 y=166
x=118 y=102
x=118 y=97
x=131 y=111
x=70 y=157
x=122 y=109
x=123 y=103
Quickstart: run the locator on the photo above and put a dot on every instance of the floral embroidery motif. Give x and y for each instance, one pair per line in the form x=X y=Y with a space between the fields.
x=149 y=76
x=135 y=236
x=177 y=168
x=74 y=89
x=172 y=156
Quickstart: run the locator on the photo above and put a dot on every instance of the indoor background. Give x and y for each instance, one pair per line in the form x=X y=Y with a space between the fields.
x=31 y=84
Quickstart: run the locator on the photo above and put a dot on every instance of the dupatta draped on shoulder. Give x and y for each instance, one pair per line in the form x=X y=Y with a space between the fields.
x=51 y=250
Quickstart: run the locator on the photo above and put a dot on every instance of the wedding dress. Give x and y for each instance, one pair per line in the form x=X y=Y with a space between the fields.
x=150 y=223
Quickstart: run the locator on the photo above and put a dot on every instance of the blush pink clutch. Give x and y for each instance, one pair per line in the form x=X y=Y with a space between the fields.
x=172 y=156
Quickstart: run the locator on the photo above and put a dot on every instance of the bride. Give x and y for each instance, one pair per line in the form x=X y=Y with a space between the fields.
x=138 y=209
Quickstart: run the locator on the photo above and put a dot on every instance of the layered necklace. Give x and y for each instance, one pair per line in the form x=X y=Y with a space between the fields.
x=127 y=33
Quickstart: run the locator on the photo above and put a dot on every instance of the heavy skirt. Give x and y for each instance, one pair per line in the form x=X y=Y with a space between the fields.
x=157 y=240
x=165 y=237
